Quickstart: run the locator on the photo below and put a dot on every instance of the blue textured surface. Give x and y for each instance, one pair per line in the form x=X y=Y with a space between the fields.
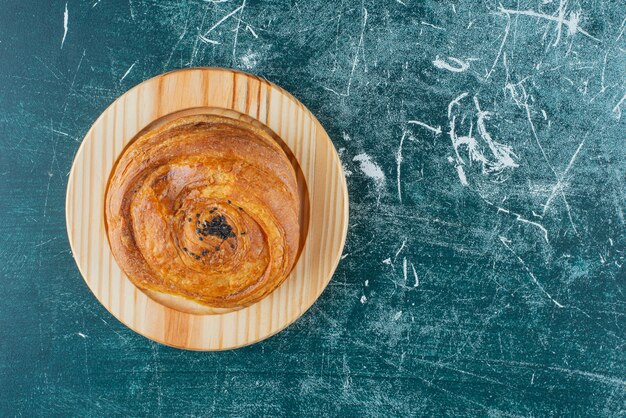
x=484 y=145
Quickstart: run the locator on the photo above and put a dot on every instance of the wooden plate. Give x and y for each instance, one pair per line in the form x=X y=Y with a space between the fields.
x=192 y=90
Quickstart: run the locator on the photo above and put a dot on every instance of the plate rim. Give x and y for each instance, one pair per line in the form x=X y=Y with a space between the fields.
x=307 y=303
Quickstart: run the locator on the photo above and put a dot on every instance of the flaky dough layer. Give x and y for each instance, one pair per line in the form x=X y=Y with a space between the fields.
x=204 y=208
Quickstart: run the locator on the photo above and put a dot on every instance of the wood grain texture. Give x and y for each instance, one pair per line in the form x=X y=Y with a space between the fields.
x=180 y=91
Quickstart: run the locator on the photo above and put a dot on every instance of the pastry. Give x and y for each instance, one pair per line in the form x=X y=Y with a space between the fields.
x=202 y=213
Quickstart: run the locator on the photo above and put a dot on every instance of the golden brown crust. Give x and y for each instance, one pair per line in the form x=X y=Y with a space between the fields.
x=205 y=208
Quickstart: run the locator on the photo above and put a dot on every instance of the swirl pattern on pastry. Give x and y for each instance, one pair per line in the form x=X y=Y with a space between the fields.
x=205 y=208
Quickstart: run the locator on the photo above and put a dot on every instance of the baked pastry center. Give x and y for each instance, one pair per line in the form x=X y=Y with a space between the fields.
x=205 y=208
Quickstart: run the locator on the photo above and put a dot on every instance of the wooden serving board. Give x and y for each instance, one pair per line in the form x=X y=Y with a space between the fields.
x=184 y=91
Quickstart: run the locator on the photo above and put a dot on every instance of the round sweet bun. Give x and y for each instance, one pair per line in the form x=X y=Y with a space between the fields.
x=202 y=212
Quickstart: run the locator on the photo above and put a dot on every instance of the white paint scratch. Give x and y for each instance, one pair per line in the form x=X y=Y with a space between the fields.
x=505 y=241
x=81 y=335
x=128 y=71
x=454 y=139
x=194 y=49
x=593 y=376
x=617 y=110
x=431 y=25
x=417 y=280
x=363 y=299
x=502 y=156
x=602 y=86
x=223 y=19
x=335 y=92
x=461 y=173
x=70 y=90
x=525 y=105
x=249 y=60
x=387 y=261
x=518 y=217
x=243 y=5
x=249 y=29
x=561 y=19
x=504 y=38
x=455 y=102
x=621 y=32
x=559 y=184
x=50 y=174
x=355 y=61
x=521 y=100
x=207 y=40
x=457 y=66
x=545 y=157
x=399 y=164
x=180 y=38
x=371 y=170
x=45 y=242
x=404 y=269
x=356 y=53
x=397 y=315
x=572 y=22
x=609 y=380
x=436 y=130
x=346 y=171
x=65 y=20
x=522 y=219
x=395 y=257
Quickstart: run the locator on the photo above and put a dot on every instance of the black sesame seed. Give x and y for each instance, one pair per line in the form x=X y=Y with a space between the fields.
x=217 y=248
x=197 y=257
x=243 y=233
x=197 y=215
x=240 y=208
x=218 y=227
x=204 y=252
x=200 y=238
x=189 y=219
x=229 y=202
x=184 y=248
